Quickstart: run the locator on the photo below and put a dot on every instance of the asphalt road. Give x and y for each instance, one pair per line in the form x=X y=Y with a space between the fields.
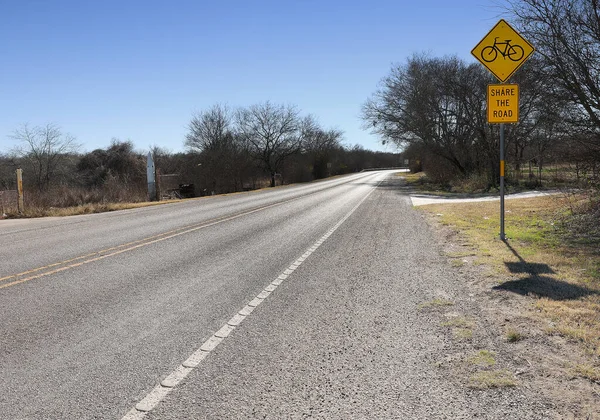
x=97 y=311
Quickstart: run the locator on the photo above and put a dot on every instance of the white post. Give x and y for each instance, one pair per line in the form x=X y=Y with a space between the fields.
x=151 y=175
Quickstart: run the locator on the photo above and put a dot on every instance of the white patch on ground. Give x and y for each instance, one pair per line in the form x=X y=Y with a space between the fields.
x=423 y=199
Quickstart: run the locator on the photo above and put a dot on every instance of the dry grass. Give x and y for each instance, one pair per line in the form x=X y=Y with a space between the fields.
x=83 y=209
x=558 y=176
x=462 y=333
x=483 y=358
x=420 y=182
x=457 y=263
x=69 y=201
x=436 y=303
x=411 y=178
x=458 y=322
x=492 y=379
x=587 y=371
x=539 y=260
x=512 y=335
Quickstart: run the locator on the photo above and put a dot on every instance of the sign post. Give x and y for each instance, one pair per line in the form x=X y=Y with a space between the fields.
x=502 y=51
x=502 y=234
x=502 y=107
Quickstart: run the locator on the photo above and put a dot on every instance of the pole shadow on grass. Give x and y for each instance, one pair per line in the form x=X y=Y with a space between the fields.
x=539 y=282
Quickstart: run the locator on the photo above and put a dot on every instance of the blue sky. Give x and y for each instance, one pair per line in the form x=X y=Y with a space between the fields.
x=138 y=70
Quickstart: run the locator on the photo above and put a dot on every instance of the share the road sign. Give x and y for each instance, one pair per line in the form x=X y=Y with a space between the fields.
x=502 y=51
x=503 y=104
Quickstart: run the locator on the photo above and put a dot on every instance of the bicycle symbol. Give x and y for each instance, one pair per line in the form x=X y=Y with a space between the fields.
x=513 y=52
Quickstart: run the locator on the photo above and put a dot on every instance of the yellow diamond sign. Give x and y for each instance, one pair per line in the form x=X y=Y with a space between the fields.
x=502 y=51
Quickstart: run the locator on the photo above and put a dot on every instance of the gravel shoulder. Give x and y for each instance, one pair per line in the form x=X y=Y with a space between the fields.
x=377 y=323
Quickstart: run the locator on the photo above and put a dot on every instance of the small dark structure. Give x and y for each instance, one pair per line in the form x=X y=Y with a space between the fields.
x=187 y=190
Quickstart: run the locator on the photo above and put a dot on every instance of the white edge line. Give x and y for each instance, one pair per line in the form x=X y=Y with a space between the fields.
x=149 y=402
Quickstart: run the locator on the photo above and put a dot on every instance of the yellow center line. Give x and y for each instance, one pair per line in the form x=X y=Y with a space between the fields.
x=78 y=258
x=91 y=254
x=105 y=253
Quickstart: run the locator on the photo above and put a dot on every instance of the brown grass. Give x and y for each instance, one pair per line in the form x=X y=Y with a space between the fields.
x=512 y=335
x=492 y=379
x=436 y=303
x=459 y=322
x=483 y=358
x=83 y=209
x=587 y=371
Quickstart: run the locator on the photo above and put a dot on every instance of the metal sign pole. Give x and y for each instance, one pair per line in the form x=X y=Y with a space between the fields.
x=502 y=235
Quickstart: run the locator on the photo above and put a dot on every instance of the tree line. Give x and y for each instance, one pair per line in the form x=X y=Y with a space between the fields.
x=226 y=150
x=435 y=107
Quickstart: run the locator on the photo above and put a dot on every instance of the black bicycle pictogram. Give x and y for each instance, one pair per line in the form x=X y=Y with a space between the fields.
x=513 y=52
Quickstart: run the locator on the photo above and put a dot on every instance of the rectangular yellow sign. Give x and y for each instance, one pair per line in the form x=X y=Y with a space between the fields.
x=503 y=104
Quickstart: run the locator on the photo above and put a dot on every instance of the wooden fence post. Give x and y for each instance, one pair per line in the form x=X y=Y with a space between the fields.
x=20 y=204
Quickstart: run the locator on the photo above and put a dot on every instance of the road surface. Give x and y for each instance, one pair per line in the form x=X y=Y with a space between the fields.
x=301 y=301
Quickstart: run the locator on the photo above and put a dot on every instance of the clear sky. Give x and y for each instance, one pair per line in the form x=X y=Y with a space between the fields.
x=138 y=70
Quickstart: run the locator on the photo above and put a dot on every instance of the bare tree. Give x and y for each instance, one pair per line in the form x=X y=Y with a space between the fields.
x=7 y=172
x=566 y=34
x=221 y=153
x=43 y=149
x=438 y=106
x=429 y=102
x=210 y=130
x=320 y=145
x=272 y=133
x=318 y=139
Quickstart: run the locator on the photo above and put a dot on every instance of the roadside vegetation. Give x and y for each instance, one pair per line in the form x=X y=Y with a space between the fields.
x=492 y=379
x=544 y=258
x=89 y=208
x=227 y=150
x=435 y=303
